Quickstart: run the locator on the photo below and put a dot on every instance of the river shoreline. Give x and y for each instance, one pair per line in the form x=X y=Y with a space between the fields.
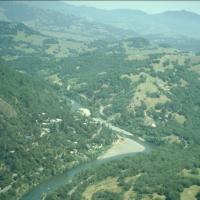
x=60 y=180
x=125 y=145
x=122 y=146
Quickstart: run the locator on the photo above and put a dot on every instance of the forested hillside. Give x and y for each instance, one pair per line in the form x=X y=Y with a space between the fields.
x=40 y=135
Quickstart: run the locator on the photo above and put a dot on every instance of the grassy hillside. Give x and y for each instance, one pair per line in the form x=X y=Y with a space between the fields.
x=153 y=92
x=19 y=42
x=136 y=88
x=55 y=23
x=170 y=23
x=177 y=28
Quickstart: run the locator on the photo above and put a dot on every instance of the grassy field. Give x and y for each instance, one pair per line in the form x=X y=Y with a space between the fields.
x=130 y=194
x=63 y=47
x=167 y=62
x=190 y=193
x=137 y=57
x=195 y=59
x=132 y=77
x=179 y=118
x=25 y=49
x=189 y=174
x=61 y=35
x=150 y=85
x=196 y=68
x=143 y=53
x=109 y=184
x=172 y=139
x=34 y=39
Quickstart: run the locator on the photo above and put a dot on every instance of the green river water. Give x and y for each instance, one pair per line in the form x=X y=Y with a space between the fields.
x=60 y=180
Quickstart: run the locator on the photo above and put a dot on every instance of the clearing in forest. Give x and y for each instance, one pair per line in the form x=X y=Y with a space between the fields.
x=190 y=193
x=110 y=184
x=150 y=85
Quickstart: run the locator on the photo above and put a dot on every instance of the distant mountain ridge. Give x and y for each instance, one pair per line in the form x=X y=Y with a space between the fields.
x=169 y=23
x=54 y=20
x=82 y=23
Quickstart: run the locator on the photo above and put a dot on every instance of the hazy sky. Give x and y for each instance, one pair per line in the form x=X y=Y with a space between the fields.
x=147 y=6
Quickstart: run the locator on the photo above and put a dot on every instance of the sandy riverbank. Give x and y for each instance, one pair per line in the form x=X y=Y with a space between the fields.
x=123 y=145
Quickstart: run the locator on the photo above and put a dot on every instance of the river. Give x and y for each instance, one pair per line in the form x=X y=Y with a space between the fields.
x=57 y=181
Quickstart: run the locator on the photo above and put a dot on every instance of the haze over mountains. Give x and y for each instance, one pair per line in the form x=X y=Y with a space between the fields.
x=171 y=23
x=53 y=20
x=177 y=28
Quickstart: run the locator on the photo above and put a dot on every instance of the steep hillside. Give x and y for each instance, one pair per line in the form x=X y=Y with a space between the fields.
x=83 y=23
x=18 y=41
x=171 y=23
x=40 y=135
x=174 y=28
x=55 y=23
